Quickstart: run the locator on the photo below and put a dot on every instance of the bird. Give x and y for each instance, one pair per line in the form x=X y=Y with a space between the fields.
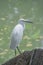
x=17 y=34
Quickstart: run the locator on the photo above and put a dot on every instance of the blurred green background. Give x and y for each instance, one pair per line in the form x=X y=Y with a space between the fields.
x=10 y=12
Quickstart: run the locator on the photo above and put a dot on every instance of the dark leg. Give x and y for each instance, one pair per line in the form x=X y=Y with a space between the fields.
x=18 y=50
x=15 y=52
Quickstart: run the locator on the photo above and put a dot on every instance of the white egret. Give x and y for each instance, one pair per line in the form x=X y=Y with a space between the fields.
x=17 y=34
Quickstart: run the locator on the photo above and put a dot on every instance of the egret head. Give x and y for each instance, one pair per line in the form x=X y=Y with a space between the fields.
x=22 y=21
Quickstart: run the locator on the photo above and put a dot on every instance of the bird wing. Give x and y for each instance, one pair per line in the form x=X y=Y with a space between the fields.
x=16 y=36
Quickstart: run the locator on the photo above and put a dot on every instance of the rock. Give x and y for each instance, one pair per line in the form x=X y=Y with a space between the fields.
x=34 y=57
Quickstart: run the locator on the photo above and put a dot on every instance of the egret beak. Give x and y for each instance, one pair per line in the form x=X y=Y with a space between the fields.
x=28 y=21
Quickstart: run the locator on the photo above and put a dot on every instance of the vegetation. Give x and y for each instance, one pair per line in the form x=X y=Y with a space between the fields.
x=10 y=12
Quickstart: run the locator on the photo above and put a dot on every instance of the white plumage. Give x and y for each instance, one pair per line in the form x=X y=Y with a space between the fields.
x=16 y=36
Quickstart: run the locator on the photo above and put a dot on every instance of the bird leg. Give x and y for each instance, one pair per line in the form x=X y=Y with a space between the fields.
x=18 y=50
x=15 y=52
